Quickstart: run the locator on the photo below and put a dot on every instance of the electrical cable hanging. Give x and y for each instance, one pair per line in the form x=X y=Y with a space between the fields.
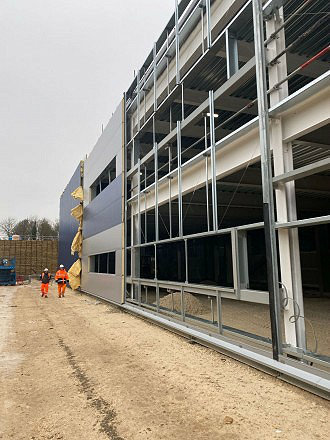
x=296 y=315
x=322 y=52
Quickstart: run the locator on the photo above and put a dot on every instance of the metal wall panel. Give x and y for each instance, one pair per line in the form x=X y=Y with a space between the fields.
x=103 y=285
x=104 y=211
x=102 y=228
x=68 y=225
x=106 y=241
x=108 y=146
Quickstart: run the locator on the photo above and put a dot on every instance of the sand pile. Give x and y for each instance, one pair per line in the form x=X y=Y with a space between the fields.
x=193 y=305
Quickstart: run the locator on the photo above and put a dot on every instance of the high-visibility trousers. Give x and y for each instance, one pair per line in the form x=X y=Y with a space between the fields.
x=61 y=289
x=44 y=289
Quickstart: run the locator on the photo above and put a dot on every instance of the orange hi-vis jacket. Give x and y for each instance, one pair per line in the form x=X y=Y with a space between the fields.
x=61 y=276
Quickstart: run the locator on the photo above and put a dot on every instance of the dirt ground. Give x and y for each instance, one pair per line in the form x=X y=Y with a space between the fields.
x=75 y=368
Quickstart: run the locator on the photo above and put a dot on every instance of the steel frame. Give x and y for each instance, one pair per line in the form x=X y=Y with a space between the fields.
x=161 y=60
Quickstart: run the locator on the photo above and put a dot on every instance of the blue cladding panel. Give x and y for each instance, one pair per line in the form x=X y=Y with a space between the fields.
x=104 y=211
x=68 y=224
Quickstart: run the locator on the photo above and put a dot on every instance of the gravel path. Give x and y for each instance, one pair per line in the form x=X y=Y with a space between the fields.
x=75 y=368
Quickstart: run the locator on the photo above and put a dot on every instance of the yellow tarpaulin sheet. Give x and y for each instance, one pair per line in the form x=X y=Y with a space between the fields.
x=76 y=245
x=77 y=212
x=74 y=275
x=78 y=193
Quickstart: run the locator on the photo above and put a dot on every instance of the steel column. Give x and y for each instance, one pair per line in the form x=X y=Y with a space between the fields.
x=170 y=189
x=231 y=54
x=183 y=312
x=139 y=203
x=182 y=102
x=202 y=23
x=208 y=23
x=267 y=190
x=145 y=219
x=186 y=259
x=167 y=67
x=235 y=260
x=155 y=77
x=206 y=176
x=124 y=269
x=138 y=100
x=156 y=192
x=155 y=249
x=219 y=312
x=177 y=43
x=213 y=164
x=178 y=132
x=288 y=240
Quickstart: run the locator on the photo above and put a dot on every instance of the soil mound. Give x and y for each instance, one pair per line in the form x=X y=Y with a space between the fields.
x=192 y=304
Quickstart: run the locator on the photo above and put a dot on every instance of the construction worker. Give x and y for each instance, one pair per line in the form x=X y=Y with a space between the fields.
x=45 y=277
x=61 y=278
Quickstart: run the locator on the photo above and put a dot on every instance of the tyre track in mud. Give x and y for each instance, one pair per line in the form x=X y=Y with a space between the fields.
x=106 y=413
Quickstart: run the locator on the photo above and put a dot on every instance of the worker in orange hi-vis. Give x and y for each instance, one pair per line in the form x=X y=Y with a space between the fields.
x=45 y=277
x=61 y=278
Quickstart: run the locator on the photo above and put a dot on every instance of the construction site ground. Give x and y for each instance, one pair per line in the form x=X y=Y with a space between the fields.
x=77 y=368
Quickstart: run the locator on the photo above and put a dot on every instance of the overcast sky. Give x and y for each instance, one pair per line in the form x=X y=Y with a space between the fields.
x=64 y=67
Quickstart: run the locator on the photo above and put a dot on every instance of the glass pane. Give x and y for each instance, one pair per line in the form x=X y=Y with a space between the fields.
x=103 y=268
x=171 y=261
x=210 y=261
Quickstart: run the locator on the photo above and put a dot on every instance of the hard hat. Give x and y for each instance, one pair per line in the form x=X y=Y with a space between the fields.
x=61 y=266
x=45 y=270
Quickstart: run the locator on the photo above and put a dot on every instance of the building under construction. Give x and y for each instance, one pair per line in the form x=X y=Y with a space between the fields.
x=206 y=203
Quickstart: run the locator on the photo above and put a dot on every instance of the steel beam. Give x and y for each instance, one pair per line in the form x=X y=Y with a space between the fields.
x=300 y=173
x=305 y=222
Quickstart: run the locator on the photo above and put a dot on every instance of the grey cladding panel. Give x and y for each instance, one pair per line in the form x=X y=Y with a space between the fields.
x=107 y=147
x=104 y=211
x=106 y=241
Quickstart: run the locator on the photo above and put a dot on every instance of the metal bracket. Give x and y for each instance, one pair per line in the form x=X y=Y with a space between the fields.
x=270 y=8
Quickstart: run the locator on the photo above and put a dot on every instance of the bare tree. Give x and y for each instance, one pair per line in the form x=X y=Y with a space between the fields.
x=7 y=226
